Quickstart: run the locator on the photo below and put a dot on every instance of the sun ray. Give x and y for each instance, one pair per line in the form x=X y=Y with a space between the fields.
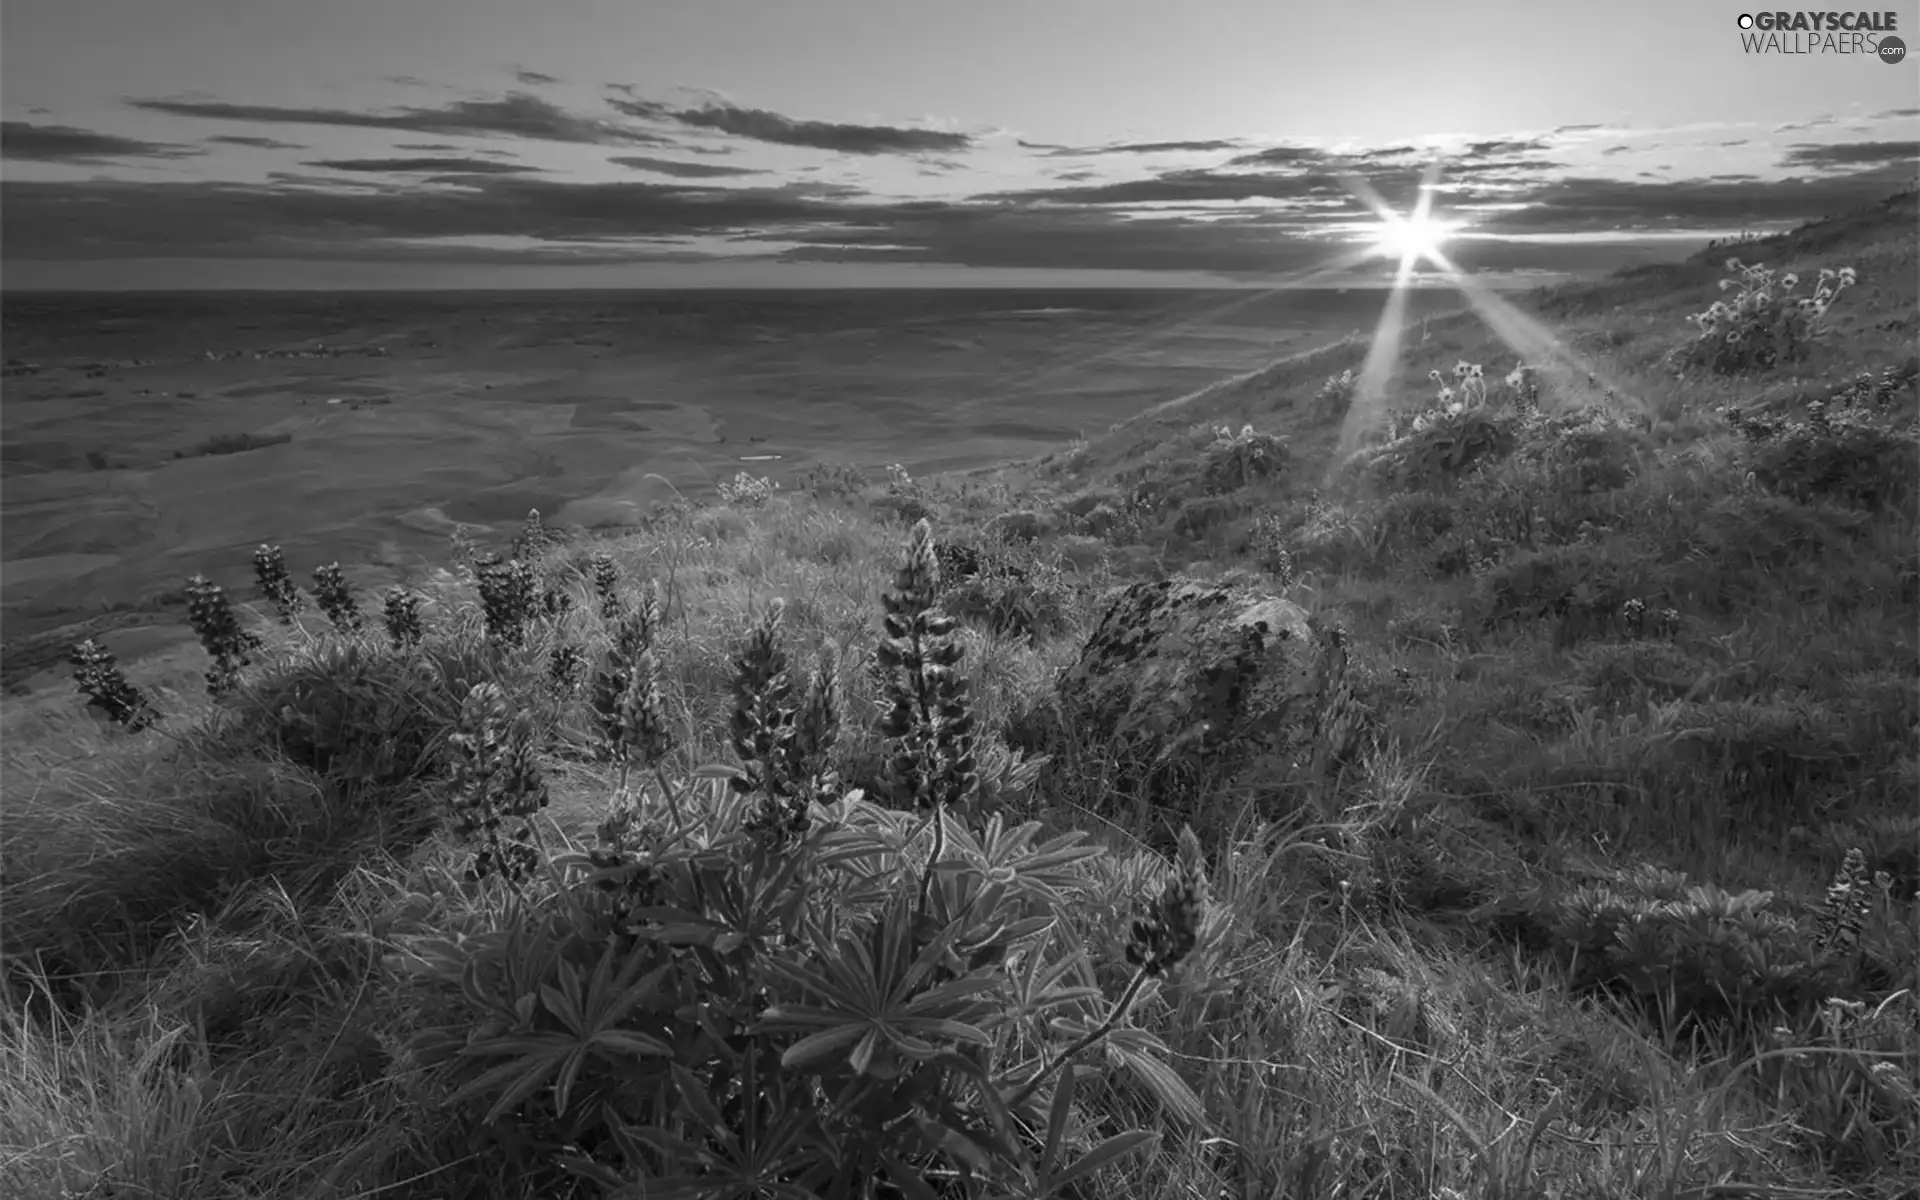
x=1415 y=237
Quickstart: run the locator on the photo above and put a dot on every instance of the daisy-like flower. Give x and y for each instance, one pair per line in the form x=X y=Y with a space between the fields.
x=1435 y=375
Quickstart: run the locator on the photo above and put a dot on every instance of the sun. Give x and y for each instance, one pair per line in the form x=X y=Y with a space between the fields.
x=1411 y=237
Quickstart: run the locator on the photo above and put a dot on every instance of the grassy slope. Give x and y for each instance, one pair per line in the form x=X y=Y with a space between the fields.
x=1395 y=1018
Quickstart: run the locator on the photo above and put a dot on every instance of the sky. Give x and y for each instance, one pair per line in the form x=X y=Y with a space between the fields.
x=759 y=143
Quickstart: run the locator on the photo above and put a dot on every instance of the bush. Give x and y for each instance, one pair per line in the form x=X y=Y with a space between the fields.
x=1765 y=324
x=233 y=443
x=1689 y=955
x=1859 y=465
x=1234 y=460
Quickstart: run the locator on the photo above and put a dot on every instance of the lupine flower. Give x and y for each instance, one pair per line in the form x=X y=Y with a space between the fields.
x=276 y=583
x=606 y=583
x=507 y=600
x=400 y=612
x=213 y=619
x=1169 y=930
x=336 y=598
x=107 y=689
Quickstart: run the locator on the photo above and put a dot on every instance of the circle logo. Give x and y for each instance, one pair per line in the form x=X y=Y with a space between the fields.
x=1746 y=20
x=1892 y=50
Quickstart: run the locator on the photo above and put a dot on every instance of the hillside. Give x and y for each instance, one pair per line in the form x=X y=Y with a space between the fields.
x=1617 y=896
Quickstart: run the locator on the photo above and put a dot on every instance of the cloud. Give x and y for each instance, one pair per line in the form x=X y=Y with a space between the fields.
x=1277 y=216
x=30 y=142
x=760 y=125
x=1279 y=156
x=1503 y=147
x=1057 y=151
x=518 y=114
x=444 y=166
x=683 y=170
x=1894 y=113
x=1581 y=204
x=1850 y=154
x=1813 y=123
x=258 y=143
x=1191 y=186
x=535 y=78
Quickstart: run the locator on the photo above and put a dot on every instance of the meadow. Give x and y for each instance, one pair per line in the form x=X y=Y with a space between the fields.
x=744 y=850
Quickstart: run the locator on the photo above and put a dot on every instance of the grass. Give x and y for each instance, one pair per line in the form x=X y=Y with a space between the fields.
x=1637 y=680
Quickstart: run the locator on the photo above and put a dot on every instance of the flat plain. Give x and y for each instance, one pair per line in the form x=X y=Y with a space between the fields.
x=148 y=437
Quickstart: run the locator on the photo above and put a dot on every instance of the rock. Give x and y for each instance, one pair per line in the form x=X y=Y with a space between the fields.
x=1215 y=679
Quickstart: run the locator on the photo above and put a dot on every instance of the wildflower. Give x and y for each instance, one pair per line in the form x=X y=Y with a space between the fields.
x=107 y=689
x=400 y=613
x=1634 y=614
x=492 y=775
x=565 y=663
x=213 y=619
x=929 y=718
x=1170 y=928
x=276 y=584
x=507 y=598
x=606 y=583
x=1838 y=924
x=533 y=537
x=336 y=599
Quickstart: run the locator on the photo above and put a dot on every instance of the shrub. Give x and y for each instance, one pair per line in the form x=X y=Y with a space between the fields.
x=1765 y=324
x=744 y=491
x=833 y=479
x=360 y=714
x=1234 y=460
x=1857 y=464
x=233 y=443
x=1686 y=954
x=1335 y=396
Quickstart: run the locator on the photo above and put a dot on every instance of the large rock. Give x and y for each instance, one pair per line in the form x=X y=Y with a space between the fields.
x=1184 y=677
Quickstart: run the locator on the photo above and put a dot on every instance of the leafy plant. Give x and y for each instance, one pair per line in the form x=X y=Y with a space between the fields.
x=698 y=1008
